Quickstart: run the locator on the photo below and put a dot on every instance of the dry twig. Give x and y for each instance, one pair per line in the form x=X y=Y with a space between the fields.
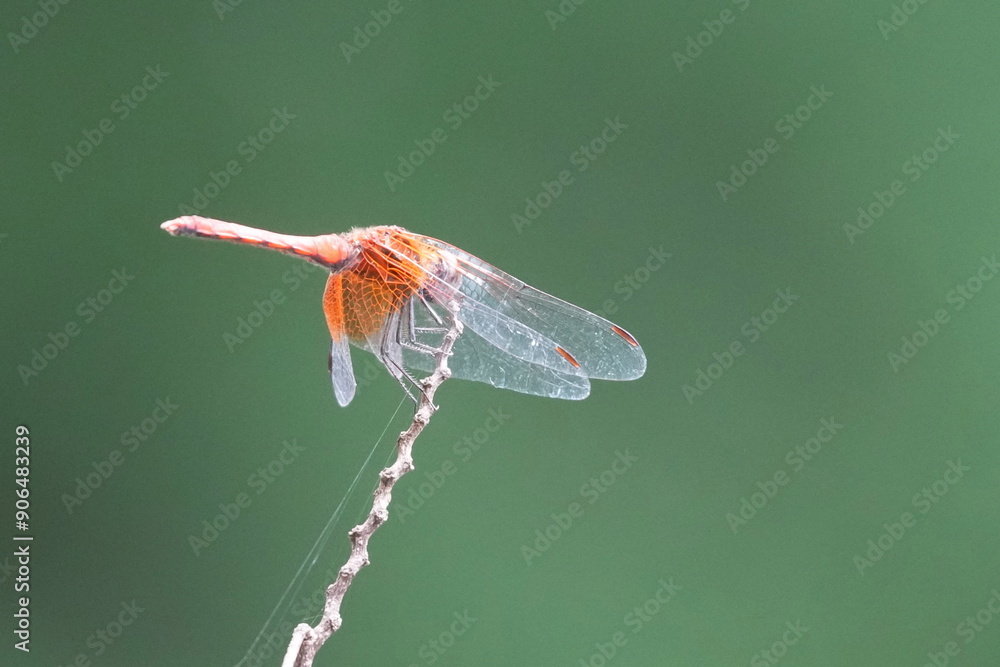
x=306 y=640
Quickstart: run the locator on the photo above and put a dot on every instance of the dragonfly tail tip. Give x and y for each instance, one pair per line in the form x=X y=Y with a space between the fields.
x=176 y=226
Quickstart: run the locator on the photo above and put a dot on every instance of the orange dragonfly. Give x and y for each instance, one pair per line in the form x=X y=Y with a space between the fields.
x=389 y=292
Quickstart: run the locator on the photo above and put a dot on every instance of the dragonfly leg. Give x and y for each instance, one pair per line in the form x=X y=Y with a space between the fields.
x=410 y=340
x=399 y=333
x=406 y=337
x=430 y=309
x=393 y=362
x=402 y=377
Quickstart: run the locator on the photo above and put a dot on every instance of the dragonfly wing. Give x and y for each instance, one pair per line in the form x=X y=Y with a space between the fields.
x=516 y=339
x=509 y=335
x=473 y=358
x=602 y=349
x=405 y=344
x=507 y=340
x=480 y=360
x=342 y=371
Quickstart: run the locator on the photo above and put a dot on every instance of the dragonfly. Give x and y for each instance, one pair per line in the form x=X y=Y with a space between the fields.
x=395 y=293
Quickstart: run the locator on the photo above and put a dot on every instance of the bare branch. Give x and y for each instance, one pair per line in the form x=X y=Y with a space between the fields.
x=306 y=640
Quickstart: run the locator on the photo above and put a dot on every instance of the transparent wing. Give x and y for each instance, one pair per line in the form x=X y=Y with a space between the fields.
x=437 y=273
x=515 y=337
x=474 y=358
x=342 y=371
x=493 y=300
x=402 y=348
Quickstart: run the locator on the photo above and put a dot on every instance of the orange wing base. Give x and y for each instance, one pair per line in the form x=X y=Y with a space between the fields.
x=359 y=300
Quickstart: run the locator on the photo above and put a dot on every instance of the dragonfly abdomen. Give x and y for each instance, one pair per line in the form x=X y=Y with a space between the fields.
x=330 y=251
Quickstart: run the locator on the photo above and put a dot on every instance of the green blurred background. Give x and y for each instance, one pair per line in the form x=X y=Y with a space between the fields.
x=794 y=580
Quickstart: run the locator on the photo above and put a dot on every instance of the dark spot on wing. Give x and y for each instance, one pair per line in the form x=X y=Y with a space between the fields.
x=626 y=335
x=568 y=357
